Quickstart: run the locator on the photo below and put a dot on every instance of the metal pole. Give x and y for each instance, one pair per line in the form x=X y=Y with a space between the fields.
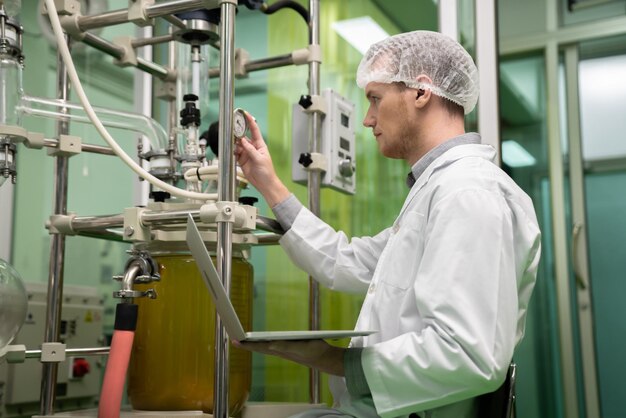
x=261 y=64
x=314 y=184
x=57 y=252
x=226 y=192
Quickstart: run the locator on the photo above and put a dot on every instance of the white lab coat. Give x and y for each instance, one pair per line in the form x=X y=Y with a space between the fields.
x=447 y=287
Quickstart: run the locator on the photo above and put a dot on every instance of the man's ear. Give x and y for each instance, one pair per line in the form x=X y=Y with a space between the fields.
x=423 y=96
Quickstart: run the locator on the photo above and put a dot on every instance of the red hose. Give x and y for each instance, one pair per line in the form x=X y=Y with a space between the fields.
x=115 y=374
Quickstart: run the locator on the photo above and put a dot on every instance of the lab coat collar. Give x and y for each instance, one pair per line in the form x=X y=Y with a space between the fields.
x=422 y=164
x=451 y=155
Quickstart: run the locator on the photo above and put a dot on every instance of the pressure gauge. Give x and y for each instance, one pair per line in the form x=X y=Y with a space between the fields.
x=240 y=123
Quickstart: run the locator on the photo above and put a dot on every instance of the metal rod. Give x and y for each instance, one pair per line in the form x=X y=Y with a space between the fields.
x=57 y=252
x=107 y=235
x=176 y=6
x=99 y=223
x=162 y=9
x=261 y=64
x=314 y=184
x=226 y=192
x=268 y=224
x=118 y=52
x=74 y=352
x=138 y=43
x=173 y=20
x=89 y=223
x=94 y=149
x=114 y=17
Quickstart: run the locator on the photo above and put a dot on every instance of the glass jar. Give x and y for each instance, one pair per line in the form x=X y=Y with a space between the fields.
x=172 y=364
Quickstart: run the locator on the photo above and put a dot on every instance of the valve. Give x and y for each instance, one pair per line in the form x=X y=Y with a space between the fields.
x=190 y=114
x=305 y=101
x=305 y=159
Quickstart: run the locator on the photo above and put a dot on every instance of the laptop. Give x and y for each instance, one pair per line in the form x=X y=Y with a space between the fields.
x=225 y=308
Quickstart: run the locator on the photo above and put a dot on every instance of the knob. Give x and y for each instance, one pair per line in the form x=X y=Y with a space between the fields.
x=346 y=168
x=305 y=159
x=80 y=368
x=305 y=101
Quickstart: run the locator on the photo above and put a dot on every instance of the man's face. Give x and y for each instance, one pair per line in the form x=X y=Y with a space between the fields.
x=389 y=117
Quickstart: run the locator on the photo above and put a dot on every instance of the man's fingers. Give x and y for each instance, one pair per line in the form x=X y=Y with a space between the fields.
x=255 y=132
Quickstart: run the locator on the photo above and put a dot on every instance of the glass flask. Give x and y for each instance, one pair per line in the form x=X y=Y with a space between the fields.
x=13 y=303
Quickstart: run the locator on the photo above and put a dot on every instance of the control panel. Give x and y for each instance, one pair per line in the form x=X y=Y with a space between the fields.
x=337 y=143
x=78 y=381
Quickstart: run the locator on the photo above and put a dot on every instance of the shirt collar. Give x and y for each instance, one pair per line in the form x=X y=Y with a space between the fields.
x=420 y=166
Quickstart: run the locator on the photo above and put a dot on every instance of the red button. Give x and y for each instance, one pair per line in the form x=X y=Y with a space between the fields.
x=80 y=367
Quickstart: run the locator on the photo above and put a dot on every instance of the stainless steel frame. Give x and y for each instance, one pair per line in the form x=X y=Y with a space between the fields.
x=57 y=253
x=226 y=192
x=314 y=184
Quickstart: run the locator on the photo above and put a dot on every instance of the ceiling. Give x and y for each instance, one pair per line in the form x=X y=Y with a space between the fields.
x=410 y=15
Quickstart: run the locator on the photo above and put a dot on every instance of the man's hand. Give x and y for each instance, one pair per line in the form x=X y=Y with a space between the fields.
x=255 y=161
x=311 y=353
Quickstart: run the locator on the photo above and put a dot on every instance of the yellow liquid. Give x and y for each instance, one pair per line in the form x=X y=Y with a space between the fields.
x=172 y=364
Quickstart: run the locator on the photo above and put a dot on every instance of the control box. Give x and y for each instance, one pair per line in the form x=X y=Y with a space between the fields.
x=78 y=380
x=337 y=143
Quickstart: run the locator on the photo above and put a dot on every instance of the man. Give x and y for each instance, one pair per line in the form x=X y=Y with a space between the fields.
x=448 y=284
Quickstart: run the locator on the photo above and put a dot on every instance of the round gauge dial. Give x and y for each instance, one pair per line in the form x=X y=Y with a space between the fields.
x=240 y=123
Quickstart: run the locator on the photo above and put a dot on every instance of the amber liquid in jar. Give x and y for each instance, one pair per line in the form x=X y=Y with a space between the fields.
x=172 y=364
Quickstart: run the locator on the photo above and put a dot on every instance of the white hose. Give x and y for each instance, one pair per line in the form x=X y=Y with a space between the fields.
x=209 y=170
x=73 y=75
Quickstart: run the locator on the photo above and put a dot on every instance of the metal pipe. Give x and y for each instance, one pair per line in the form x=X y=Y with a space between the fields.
x=101 y=20
x=169 y=218
x=226 y=192
x=268 y=239
x=117 y=17
x=107 y=235
x=74 y=352
x=138 y=43
x=173 y=20
x=57 y=252
x=268 y=224
x=176 y=6
x=128 y=281
x=314 y=184
x=88 y=223
x=172 y=112
x=261 y=64
x=94 y=149
x=118 y=52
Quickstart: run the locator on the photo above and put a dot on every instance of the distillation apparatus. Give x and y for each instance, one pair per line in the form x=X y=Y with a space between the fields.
x=175 y=155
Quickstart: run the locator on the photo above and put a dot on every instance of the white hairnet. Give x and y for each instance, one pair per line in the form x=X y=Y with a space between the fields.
x=403 y=57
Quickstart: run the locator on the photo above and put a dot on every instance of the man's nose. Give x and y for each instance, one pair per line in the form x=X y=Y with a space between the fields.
x=368 y=121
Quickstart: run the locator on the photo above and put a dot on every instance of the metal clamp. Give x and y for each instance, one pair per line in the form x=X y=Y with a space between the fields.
x=242 y=57
x=69 y=145
x=317 y=162
x=241 y=216
x=318 y=105
x=52 y=352
x=14 y=353
x=134 y=230
x=61 y=224
x=137 y=12
x=130 y=294
x=130 y=56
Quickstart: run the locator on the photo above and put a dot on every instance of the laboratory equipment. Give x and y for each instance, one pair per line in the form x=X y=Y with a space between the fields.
x=240 y=123
x=337 y=156
x=12 y=304
x=79 y=375
x=174 y=155
x=177 y=331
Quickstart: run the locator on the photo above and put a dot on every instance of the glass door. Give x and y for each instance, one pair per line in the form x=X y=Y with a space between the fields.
x=599 y=253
